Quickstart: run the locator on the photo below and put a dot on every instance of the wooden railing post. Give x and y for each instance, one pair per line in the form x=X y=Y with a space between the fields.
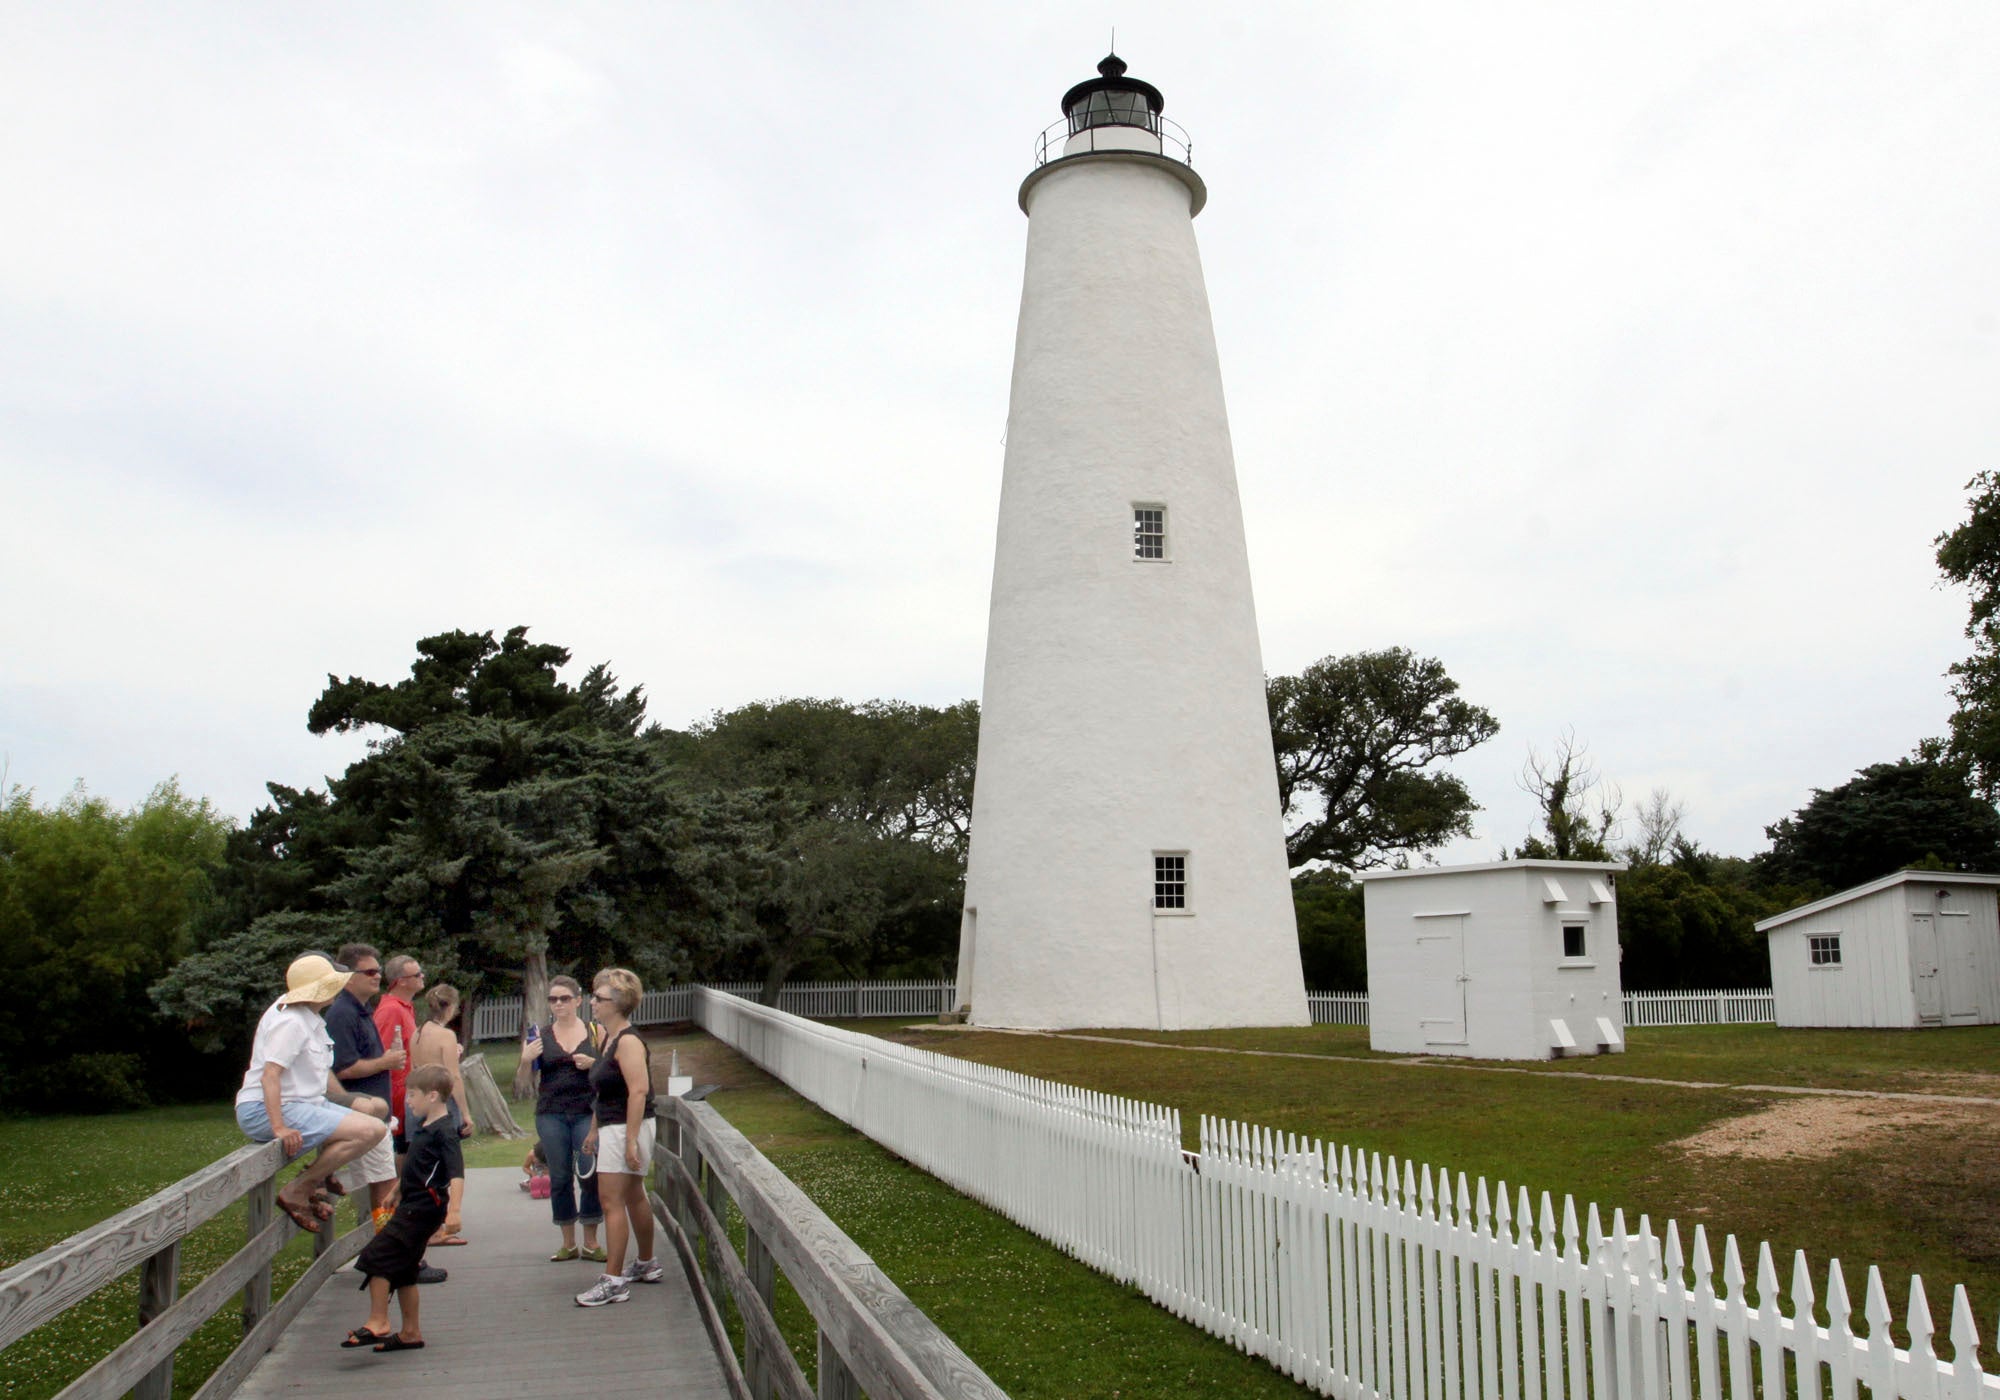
x=257 y=1292
x=763 y=1272
x=718 y=1203
x=684 y=1211
x=159 y=1285
x=836 y=1382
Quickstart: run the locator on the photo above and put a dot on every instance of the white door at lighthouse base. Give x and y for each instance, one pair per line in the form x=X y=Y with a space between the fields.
x=1441 y=974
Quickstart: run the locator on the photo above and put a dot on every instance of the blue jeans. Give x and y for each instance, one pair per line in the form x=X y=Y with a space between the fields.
x=562 y=1136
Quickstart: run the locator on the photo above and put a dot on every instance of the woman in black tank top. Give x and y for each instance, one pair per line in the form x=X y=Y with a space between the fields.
x=621 y=1085
x=563 y=1052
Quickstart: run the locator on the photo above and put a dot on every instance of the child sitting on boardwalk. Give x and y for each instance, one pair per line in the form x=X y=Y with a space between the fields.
x=392 y=1258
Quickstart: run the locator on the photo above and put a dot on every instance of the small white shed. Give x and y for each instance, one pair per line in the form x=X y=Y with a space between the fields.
x=1512 y=960
x=1916 y=948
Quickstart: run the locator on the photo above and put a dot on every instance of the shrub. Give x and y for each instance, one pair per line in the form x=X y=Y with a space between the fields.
x=90 y=1083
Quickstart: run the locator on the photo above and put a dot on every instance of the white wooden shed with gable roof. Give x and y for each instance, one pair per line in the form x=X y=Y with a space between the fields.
x=1913 y=949
x=1511 y=960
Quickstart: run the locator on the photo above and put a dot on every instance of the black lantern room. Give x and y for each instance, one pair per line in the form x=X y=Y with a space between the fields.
x=1112 y=99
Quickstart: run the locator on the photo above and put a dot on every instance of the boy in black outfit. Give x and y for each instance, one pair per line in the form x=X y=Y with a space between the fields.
x=392 y=1258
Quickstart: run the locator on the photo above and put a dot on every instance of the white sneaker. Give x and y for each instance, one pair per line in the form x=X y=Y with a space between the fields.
x=606 y=1290
x=644 y=1271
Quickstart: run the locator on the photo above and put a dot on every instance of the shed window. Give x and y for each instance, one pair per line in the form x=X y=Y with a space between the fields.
x=1823 y=949
x=1149 y=532
x=1573 y=940
x=1170 y=882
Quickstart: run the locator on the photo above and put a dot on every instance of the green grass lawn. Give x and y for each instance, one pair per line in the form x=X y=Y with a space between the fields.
x=1916 y=1196
x=66 y=1174
x=1043 y=1326
x=1919 y=1196
x=1936 y=1062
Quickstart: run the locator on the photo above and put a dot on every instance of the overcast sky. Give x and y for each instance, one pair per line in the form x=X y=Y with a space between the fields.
x=1624 y=356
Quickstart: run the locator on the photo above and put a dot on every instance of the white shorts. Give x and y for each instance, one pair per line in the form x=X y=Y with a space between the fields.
x=377 y=1164
x=611 y=1149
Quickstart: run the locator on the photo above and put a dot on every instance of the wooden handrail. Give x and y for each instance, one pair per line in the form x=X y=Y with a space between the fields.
x=40 y=1289
x=870 y=1333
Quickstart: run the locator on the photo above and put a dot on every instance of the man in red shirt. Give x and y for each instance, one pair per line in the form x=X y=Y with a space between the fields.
x=402 y=983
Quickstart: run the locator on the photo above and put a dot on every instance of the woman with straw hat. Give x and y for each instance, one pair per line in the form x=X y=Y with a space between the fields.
x=290 y=1093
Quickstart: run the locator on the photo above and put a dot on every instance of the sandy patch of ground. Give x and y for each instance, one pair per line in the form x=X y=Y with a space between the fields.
x=1808 y=1128
x=1956 y=1081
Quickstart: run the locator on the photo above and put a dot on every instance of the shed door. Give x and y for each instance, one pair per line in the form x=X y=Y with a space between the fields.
x=1441 y=970
x=1924 y=967
x=1958 y=971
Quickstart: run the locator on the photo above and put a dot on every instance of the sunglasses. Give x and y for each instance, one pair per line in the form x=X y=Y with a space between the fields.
x=561 y=996
x=602 y=996
x=368 y=971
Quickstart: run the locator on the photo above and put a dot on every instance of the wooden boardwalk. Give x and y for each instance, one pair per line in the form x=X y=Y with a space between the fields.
x=505 y=1325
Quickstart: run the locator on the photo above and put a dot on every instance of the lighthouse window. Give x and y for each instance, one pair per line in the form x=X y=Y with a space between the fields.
x=1113 y=108
x=1149 y=532
x=1170 y=882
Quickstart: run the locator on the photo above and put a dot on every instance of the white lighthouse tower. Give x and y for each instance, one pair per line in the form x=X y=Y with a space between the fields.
x=1127 y=865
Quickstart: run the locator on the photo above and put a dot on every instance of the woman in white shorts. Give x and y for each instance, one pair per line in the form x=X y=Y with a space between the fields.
x=621 y=1135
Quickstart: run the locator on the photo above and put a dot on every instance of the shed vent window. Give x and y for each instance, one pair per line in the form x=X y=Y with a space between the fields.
x=1823 y=949
x=1170 y=882
x=1149 y=532
x=1573 y=940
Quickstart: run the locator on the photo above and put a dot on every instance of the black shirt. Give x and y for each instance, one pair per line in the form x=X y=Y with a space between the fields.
x=355 y=1038
x=433 y=1161
x=565 y=1088
x=607 y=1078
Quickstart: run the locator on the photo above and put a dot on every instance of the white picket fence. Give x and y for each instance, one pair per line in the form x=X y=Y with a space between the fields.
x=1740 y=1007
x=1338 y=1008
x=500 y=1018
x=1360 y=1278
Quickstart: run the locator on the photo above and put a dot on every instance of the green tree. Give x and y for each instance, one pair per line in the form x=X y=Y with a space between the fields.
x=902 y=770
x=1579 y=810
x=1677 y=932
x=1886 y=817
x=1333 y=944
x=1969 y=554
x=507 y=818
x=860 y=814
x=95 y=904
x=1354 y=736
x=460 y=675
x=214 y=997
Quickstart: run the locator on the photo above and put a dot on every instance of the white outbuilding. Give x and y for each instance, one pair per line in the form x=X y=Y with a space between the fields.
x=1916 y=948
x=1511 y=960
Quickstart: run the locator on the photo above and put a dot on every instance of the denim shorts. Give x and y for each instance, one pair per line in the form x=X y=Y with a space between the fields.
x=315 y=1119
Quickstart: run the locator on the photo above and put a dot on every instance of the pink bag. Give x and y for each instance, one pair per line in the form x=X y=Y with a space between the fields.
x=538 y=1187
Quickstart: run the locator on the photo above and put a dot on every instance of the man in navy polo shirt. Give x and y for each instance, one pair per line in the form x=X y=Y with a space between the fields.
x=362 y=1066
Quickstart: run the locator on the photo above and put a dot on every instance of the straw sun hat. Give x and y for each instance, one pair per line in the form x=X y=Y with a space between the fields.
x=313 y=978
